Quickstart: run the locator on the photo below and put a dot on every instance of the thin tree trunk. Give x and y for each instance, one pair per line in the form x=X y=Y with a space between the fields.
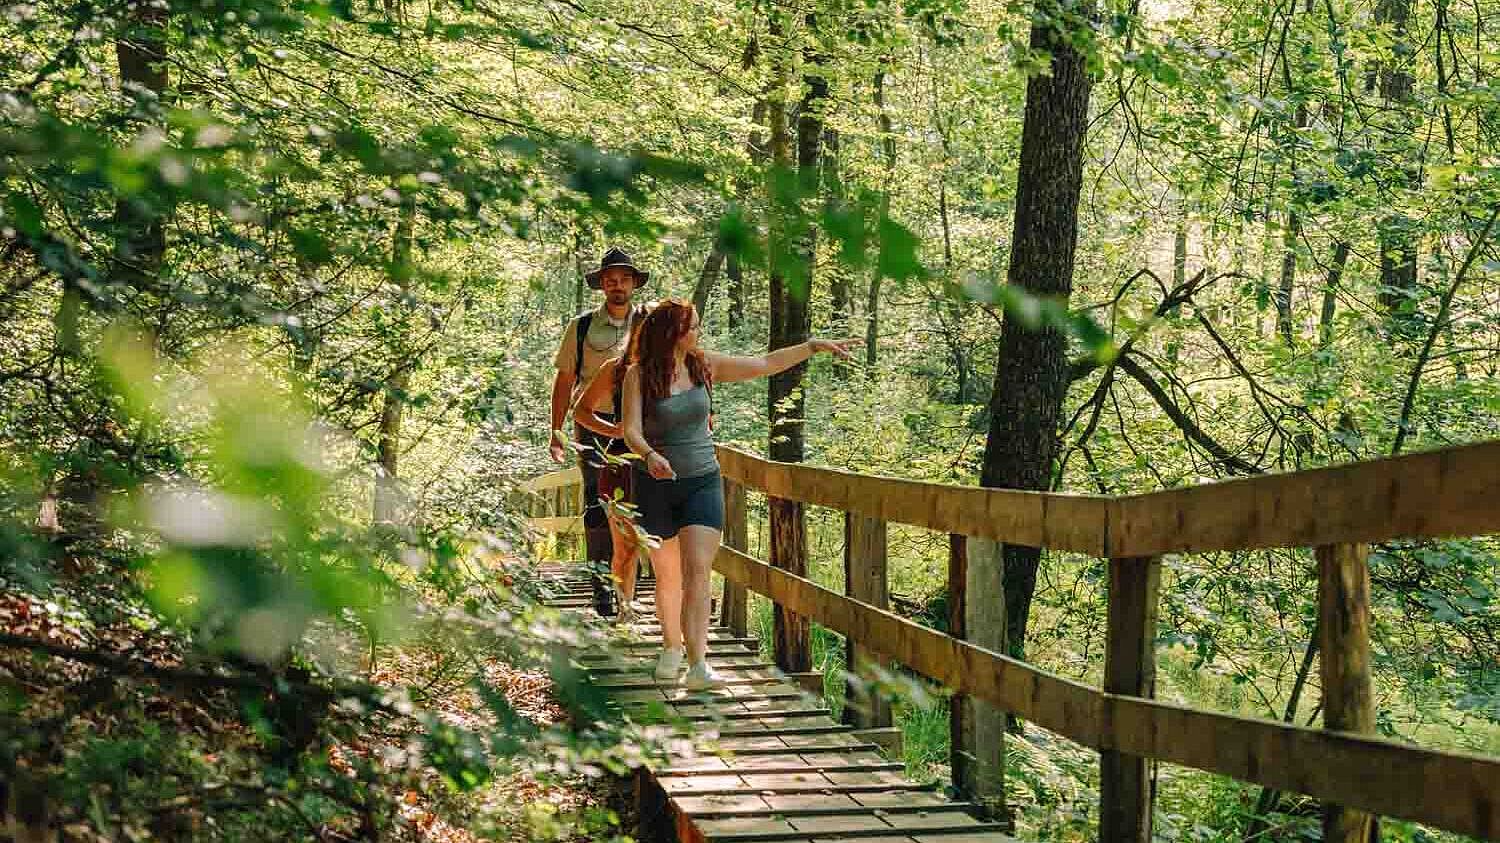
x=1330 y=293
x=581 y=266
x=736 y=275
x=388 y=507
x=888 y=150
x=1268 y=798
x=1288 y=277
x=706 y=278
x=1398 y=251
x=140 y=238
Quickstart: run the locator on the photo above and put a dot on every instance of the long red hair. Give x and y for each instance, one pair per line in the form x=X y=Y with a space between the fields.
x=654 y=352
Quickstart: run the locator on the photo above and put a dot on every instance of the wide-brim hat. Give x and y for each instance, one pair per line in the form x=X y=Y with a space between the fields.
x=617 y=257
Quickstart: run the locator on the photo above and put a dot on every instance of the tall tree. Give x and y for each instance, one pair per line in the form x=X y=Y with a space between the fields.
x=1031 y=374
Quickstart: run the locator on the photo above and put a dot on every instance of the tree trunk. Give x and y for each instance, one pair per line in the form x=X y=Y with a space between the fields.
x=706 y=278
x=783 y=407
x=140 y=239
x=1398 y=251
x=388 y=507
x=1330 y=293
x=1031 y=374
x=581 y=265
x=888 y=150
x=840 y=283
x=1288 y=277
x=736 y=275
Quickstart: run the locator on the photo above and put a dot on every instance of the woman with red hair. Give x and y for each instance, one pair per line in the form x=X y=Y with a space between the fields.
x=666 y=403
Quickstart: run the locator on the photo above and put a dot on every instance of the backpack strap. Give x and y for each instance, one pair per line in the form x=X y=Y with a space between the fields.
x=584 y=320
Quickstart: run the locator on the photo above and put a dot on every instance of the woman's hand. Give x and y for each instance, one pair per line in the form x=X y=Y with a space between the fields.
x=659 y=468
x=838 y=348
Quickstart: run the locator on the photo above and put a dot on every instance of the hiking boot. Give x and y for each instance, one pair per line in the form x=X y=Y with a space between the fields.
x=668 y=663
x=604 y=596
x=701 y=677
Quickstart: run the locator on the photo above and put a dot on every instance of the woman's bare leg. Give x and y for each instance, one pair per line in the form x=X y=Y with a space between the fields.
x=698 y=545
x=666 y=560
x=623 y=563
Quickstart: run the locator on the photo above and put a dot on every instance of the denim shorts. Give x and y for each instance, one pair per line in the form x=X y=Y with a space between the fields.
x=666 y=506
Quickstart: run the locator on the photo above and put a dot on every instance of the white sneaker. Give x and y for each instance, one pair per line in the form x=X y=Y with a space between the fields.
x=701 y=677
x=668 y=663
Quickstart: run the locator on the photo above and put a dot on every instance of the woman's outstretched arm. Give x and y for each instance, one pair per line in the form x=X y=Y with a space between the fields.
x=601 y=386
x=728 y=368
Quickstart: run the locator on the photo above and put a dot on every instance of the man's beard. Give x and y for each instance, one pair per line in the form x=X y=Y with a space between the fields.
x=617 y=297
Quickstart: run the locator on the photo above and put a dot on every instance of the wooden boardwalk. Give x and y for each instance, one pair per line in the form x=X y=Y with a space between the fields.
x=772 y=766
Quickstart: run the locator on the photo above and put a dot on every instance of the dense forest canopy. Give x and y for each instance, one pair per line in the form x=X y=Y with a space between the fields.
x=283 y=283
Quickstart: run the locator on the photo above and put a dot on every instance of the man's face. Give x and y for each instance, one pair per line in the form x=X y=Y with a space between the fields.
x=618 y=283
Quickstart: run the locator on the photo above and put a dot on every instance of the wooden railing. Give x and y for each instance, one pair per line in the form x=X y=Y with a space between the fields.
x=1337 y=511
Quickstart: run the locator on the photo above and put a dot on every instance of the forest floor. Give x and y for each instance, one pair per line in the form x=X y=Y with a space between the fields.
x=180 y=750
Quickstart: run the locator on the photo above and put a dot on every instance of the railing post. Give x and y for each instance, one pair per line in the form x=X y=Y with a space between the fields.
x=864 y=580
x=791 y=632
x=977 y=614
x=1125 y=795
x=1348 y=692
x=734 y=608
x=960 y=735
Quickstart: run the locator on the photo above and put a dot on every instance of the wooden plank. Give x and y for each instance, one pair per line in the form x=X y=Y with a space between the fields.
x=1039 y=519
x=1452 y=492
x=1129 y=668
x=1344 y=654
x=564 y=477
x=734 y=608
x=985 y=724
x=864 y=580
x=1449 y=790
x=791 y=634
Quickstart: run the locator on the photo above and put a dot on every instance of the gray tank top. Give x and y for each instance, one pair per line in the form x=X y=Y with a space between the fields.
x=678 y=430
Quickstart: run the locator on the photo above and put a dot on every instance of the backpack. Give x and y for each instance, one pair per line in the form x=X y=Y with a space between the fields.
x=584 y=321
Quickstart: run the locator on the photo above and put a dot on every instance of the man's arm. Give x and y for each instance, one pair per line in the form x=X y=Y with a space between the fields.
x=562 y=390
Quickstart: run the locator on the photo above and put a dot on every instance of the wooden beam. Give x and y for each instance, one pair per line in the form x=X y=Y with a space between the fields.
x=1125 y=795
x=1453 y=791
x=734 y=608
x=1344 y=648
x=1038 y=519
x=1452 y=492
x=960 y=731
x=865 y=581
x=888 y=738
x=565 y=477
x=791 y=634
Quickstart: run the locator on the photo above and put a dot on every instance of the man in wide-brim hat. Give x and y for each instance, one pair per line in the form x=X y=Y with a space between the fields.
x=589 y=340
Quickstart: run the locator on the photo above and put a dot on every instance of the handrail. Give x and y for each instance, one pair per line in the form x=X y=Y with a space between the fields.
x=1451 y=790
x=1449 y=492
